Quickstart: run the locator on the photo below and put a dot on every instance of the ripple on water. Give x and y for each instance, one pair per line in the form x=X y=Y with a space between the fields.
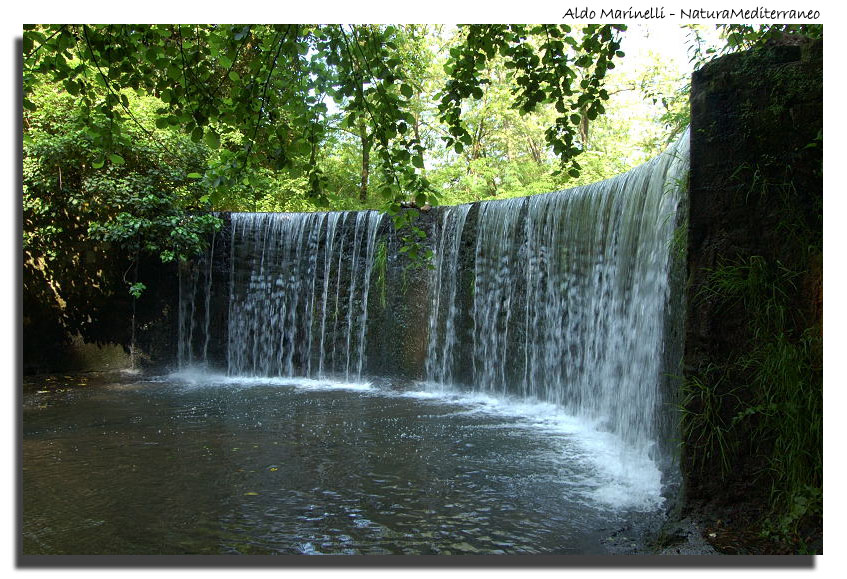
x=270 y=467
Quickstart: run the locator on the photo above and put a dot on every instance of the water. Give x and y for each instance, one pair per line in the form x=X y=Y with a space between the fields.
x=570 y=296
x=569 y=299
x=559 y=298
x=536 y=422
x=211 y=464
x=444 y=283
x=281 y=321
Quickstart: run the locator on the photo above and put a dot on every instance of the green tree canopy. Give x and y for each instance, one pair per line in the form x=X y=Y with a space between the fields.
x=155 y=125
x=275 y=84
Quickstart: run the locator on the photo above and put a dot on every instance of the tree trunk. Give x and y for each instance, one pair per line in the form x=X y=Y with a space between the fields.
x=366 y=162
x=534 y=150
x=583 y=128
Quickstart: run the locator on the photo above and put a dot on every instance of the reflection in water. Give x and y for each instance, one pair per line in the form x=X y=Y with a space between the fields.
x=233 y=466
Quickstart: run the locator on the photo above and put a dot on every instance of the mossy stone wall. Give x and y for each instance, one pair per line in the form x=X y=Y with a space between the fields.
x=753 y=327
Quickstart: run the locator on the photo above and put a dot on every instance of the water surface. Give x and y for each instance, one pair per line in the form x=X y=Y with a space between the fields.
x=213 y=465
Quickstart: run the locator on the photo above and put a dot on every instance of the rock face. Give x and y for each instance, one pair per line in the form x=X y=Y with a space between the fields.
x=753 y=325
x=397 y=308
x=755 y=121
x=103 y=320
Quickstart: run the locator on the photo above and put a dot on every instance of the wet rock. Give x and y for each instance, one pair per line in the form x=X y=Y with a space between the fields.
x=683 y=537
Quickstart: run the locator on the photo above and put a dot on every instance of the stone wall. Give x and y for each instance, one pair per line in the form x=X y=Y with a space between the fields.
x=398 y=303
x=754 y=290
x=755 y=117
x=100 y=334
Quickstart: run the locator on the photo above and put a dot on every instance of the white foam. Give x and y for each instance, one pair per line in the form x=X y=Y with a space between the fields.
x=198 y=377
x=621 y=477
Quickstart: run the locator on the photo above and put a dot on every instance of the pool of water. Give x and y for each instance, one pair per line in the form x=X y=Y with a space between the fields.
x=207 y=464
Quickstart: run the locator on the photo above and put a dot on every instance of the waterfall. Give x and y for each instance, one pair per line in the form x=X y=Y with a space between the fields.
x=444 y=283
x=195 y=287
x=570 y=297
x=560 y=298
x=298 y=294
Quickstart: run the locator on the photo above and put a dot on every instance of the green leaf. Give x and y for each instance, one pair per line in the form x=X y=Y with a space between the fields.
x=99 y=163
x=116 y=159
x=406 y=90
x=233 y=76
x=137 y=289
x=194 y=176
x=418 y=161
x=212 y=139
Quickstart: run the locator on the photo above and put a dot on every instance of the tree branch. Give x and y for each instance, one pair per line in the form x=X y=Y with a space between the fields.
x=109 y=88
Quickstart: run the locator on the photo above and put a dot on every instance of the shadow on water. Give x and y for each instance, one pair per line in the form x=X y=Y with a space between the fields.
x=273 y=466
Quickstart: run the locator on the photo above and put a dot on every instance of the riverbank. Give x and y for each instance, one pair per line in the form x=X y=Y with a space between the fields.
x=660 y=534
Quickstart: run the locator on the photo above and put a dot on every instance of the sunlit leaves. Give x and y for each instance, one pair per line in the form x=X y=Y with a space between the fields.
x=266 y=101
x=744 y=36
x=547 y=60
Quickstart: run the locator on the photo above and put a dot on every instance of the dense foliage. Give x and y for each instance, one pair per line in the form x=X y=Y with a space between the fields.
x=274 y=85
x=169 y=120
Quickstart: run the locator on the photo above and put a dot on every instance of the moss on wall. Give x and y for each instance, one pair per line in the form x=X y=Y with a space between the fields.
x=752 y=398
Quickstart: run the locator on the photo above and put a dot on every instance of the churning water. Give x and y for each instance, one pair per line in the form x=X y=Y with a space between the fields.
x=570 y=297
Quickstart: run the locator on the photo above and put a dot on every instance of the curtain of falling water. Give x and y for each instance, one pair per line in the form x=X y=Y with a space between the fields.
x=298 y=299
x=567 y=301
x=570 y=294
x=444 y=286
